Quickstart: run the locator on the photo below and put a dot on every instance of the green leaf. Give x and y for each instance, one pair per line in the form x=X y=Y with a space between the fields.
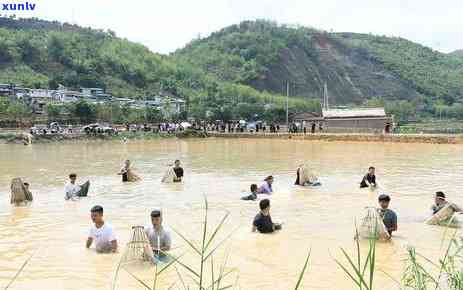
x=301 y=275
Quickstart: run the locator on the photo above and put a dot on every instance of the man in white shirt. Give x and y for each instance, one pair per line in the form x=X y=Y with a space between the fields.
x=101 y=233
x=159 y=238
x=73 y=190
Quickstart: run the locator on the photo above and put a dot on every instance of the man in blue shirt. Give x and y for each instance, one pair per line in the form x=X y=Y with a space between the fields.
x=263 y=222
x=389 y=216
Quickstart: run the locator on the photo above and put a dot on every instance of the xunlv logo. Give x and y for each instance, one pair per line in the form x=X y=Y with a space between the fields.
x=17 y=6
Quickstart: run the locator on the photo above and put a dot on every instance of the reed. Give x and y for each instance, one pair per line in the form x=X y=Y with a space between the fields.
x=20 y=270
x=361 y=273
x=445 y=274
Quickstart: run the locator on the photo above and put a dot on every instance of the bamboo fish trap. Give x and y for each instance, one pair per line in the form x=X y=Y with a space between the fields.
x=139 y=248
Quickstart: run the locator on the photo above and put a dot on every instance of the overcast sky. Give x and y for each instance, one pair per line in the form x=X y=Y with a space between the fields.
x=165 y=25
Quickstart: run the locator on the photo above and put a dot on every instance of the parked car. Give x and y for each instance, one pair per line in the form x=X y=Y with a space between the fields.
x=39 y=129
x=54 y=128
x=97 y=128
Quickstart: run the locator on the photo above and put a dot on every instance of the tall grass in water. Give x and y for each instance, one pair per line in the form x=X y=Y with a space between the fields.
x=204 y=252
x=20 y=270
x=205 y=267
x=449 y=269
x=446 y=274
x=361 y=273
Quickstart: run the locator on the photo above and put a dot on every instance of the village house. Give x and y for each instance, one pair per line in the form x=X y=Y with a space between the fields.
x=92 y=91
x=356 y=120
x=168 y=105
x=38 y=99
x=96 y=94
x=307 y=118
x=5 y=90
x=363 y=120
x=66 y=96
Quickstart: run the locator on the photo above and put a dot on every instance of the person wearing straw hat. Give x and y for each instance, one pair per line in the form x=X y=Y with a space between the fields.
x=440 y=202
x=159 y=237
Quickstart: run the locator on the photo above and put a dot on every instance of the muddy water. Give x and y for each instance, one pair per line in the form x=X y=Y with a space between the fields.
x=54 y=231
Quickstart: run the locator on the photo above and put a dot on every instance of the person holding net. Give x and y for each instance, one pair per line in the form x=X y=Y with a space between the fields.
x=306 y=177
x=369 y=180
x=388 y=216
x=73 y=191
x=158 y=237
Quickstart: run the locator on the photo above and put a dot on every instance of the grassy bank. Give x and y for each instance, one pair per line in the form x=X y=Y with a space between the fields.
x=49 y=138
x=136 y=136
x=7 y=136
x=432 y=127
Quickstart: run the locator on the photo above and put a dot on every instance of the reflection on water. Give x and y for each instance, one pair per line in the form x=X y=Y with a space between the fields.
x=318 y=218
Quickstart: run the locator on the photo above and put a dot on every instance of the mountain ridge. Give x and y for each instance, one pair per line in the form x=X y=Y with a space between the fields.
x=241 y=68
x=355 y=66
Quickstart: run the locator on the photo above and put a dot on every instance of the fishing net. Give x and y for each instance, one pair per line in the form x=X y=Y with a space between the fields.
x=19 y=193
x=445 y=217
x=84 y=189
x=306 y=175
x=132 y=176
x=27 y=138
x=372 y=226
x=169 y=176
x=139 y=248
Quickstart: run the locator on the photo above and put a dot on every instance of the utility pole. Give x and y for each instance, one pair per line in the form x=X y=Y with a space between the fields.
x=287 y=104
x=146 y=110
x=325 y=97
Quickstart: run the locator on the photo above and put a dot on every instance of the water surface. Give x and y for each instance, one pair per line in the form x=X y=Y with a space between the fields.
x=318 y=218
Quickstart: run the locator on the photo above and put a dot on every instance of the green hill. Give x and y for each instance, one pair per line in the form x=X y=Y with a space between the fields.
x=39 y=53
x=239 y=71
x=44 y=54
x=458 y=53
x=355 y=66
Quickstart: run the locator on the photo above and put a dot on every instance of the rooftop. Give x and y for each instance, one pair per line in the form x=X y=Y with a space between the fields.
x=307 y=116
x=354 y=113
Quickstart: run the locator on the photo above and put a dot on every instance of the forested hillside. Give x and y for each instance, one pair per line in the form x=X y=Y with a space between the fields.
x=241 y=70
x=355 y=66
x=43 y=54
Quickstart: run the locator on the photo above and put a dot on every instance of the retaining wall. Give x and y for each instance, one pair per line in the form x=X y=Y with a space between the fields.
x=400 y=138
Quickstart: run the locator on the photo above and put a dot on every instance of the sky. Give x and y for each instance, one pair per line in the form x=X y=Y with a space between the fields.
x=167 y=25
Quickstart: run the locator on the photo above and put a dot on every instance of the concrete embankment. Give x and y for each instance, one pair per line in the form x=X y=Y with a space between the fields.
x=399 y=138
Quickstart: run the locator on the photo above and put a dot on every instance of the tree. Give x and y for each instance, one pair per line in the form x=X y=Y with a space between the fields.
x=4 y=104
x=246 y=111
x=85 y=112
x=53 y=111
x=17 y=111
x=275 y=114
x=402 y=110
x=153 y=115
